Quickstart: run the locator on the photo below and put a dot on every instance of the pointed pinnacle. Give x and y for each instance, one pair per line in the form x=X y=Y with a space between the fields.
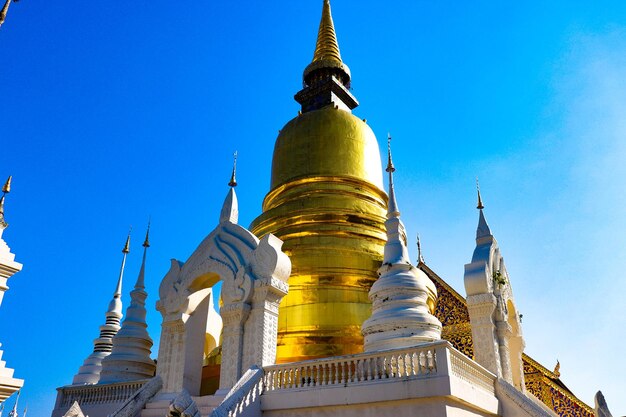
x=480 y=205
x=233 y=179
x=326 y=47
x=390 y=167
x=127 y=244
x=6 y=189
x=146 y=243
x=326 y=55
x=420 y=258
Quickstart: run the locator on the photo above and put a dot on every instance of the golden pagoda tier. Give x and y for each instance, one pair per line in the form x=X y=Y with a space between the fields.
x=327 y=204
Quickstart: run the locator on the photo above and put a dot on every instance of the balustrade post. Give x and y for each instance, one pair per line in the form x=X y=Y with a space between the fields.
x=442 y=359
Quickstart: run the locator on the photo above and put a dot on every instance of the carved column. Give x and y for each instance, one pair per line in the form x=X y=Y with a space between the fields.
x=516 y=345
x=486 y=350
x=172 y=355
x=261 y=329
x=503 y=330
x=234 y=316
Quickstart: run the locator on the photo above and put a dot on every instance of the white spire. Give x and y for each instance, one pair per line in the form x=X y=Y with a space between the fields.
x=230 y=208
x=401 y=315
x=89 y=372
x=130 y=357
x=483 y=229
x=396 y=247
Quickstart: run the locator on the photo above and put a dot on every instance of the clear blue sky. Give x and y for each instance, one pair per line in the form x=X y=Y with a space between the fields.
x=112 y=112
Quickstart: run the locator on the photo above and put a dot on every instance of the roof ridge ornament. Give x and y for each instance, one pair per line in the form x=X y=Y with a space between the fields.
x=420 y=258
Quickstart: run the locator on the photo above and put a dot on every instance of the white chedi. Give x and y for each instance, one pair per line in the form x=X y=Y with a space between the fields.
x=400 y=313
x=129 y=359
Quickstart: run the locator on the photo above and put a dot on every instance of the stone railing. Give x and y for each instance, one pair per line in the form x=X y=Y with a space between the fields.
x=418 y=362
x=424 y=361
x=466 y=369
x=244 y=398
x=99 y=394
x=414 y=362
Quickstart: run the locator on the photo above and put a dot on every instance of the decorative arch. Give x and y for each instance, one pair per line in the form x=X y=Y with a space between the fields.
x=254 y=274
x=496 y=327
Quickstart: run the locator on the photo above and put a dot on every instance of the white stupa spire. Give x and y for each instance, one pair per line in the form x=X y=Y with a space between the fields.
x=401 y=314
x=130 y=357
x=483 y=229
x=396 y=250
x=230 y=208
x=89 y=372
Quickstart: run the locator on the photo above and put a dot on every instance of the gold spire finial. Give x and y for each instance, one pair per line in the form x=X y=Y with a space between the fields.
x=326 y=47
x=479 y=206
x=390 y=167
x=327 y=53
x=127 y=244
x=233 y=179
x=6 y=189
x=146 y=242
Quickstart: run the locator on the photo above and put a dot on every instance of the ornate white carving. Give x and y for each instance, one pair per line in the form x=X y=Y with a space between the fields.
x=496 y=326
x=254 y=274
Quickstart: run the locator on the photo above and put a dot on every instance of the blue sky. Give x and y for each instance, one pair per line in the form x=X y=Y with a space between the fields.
x=114 y=112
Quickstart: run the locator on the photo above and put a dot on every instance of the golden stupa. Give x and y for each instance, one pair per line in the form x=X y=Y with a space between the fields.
x=327 y=203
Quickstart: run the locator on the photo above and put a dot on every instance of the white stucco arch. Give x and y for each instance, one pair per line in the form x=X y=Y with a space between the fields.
x=254 y=274
x=496 y=326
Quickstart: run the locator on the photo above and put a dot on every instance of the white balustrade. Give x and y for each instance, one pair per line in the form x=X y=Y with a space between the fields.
x=414 y=362
x=99 y=394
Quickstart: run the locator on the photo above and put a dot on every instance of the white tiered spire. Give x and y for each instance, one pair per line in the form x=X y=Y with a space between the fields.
x=130 y=357
x=400 y=312
x=89 y=372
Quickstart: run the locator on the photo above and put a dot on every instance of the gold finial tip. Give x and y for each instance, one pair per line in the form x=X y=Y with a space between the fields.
x=233 y=179
x=327 y=55
x=7 y=185
x=127 y=244
x=480 y=205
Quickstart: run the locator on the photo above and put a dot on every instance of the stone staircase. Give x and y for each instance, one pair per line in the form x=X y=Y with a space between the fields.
x=160 y=408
